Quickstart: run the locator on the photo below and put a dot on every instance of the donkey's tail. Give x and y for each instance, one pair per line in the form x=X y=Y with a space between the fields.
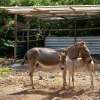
x=25 y=59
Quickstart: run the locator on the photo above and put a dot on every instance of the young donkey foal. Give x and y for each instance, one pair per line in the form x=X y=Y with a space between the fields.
x=45 y=59
x=84 y=63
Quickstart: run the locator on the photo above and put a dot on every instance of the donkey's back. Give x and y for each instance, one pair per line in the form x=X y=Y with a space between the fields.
x=45 y=56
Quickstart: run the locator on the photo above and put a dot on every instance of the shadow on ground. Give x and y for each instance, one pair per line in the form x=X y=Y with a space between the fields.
x=49 y=95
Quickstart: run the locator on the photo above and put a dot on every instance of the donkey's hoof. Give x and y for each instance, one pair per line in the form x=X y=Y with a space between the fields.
x=63 y=87
x=71 y=87
x=92 y=87
x=33 y=87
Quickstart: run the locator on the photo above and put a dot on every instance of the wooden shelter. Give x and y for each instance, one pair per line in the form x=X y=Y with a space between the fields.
x=65 y=10
x=51 y=13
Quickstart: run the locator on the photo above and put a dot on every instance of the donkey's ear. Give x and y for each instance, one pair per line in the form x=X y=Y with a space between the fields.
x=82 y=42
x=65 y=50
x=62 y=54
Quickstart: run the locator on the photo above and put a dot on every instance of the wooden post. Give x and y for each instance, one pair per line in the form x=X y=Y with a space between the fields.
x=75 y=34
x=28 y=31
x=15 y=43
x=40 y=32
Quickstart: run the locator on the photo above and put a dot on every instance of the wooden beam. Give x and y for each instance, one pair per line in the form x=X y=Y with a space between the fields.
x=15 y=44
x=28 y=31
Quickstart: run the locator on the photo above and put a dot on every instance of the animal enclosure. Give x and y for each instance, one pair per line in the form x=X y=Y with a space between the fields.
x=26 y=38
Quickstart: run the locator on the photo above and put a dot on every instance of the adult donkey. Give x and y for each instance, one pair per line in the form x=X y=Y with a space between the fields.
x=83 y=63
x=47 y=59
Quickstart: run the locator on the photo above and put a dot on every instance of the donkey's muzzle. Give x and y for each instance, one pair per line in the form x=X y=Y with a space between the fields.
x=62 y=68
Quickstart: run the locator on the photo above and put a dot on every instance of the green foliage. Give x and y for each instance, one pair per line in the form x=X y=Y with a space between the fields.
x=5 y=2
x=7 y=43
x=5 y=70
x=97 y=2
x=47 y=2
x=5 y=36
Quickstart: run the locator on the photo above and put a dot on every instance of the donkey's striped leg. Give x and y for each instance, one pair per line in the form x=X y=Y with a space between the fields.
x=64 y=77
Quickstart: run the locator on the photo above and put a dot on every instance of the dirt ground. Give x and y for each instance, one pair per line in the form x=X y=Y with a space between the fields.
x=16 y=86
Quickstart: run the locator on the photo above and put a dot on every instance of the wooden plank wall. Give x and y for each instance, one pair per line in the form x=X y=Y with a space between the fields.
x=61 y=42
